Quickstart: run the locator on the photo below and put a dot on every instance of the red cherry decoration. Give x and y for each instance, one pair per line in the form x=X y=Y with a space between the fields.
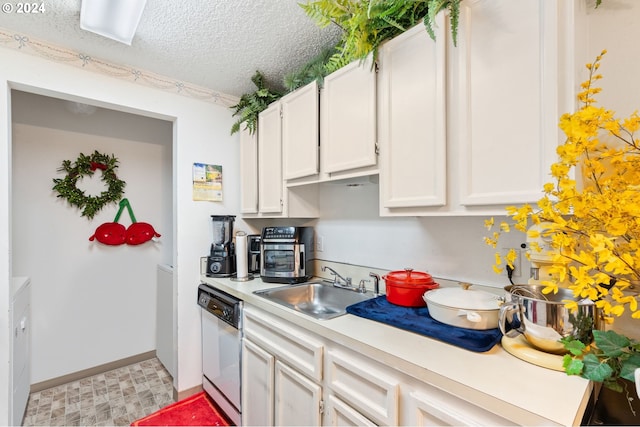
x=139 y=233
x=110 y=233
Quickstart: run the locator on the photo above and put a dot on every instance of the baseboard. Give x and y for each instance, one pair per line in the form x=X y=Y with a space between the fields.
x=96 y=370
x=186 y=393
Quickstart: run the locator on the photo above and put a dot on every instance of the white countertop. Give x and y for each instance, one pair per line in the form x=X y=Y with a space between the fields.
x=496 y=380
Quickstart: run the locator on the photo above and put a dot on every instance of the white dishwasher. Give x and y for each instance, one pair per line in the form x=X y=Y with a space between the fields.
x=221 y=349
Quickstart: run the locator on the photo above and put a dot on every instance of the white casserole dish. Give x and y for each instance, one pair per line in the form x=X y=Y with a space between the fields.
x=464 y=308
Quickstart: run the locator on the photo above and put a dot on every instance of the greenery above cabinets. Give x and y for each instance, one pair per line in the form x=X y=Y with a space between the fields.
x=365 y=24
x=251 y=104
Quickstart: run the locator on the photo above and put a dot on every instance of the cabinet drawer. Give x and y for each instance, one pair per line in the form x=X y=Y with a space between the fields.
x=341 y=414
x=297 y=348
x=365 y=386
x=430 y=406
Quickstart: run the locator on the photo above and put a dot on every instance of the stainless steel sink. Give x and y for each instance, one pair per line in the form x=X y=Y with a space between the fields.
x=316 y=299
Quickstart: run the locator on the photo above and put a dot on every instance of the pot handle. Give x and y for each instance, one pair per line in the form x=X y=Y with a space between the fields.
x=505 y=310
x=472 y=316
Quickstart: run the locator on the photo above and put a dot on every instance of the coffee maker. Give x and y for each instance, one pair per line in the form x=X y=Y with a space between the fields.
x=222 y=259
x=254 y=253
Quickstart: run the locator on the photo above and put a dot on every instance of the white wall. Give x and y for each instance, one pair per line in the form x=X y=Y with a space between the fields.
x=446 y=247
x=201 y=134
x=93 y=303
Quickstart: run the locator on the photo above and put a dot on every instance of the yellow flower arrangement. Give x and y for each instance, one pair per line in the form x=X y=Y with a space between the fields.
x=591 y=212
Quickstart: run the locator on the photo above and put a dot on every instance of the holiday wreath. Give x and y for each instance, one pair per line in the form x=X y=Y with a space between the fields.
x=86 y=166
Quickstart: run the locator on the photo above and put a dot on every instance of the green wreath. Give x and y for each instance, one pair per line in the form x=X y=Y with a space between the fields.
x=86 y=166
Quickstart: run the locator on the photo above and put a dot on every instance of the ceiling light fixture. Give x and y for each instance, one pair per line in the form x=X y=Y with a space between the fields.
x=114 y=19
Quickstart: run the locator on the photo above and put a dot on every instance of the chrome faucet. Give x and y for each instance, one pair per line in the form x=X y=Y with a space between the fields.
x=337 y=277
x=376 y=283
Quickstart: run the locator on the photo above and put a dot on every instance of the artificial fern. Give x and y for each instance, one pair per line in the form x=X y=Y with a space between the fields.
x=365 y=24
x=252 y=104
x=312 y=70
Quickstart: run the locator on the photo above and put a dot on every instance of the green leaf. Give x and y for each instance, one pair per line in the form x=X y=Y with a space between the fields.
x=595 y=370
x=613 y=385
x=575 y=347
x=629 y=366
x=572 y=366
x=610 y=343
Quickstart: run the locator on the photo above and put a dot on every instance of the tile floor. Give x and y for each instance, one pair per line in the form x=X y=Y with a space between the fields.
x=114 y=398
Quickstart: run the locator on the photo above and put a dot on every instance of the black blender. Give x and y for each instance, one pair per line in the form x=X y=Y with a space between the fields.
x=222 y=260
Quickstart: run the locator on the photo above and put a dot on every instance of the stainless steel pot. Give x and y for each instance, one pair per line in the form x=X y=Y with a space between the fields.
x=543 y=319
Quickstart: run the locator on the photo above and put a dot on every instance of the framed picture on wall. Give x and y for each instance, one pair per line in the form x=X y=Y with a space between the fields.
x=207 y=182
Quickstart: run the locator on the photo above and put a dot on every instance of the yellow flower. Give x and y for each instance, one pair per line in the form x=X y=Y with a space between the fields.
x=592 y=205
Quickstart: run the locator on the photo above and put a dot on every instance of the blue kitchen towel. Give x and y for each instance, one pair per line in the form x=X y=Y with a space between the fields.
x=418 y=320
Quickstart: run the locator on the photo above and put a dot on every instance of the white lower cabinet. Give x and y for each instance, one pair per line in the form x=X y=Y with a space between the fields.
x=298 y=399
x=429 y=406
x=281 y=373
x=369 y=388
x=257 y=385
x=339 y=413
x=291 y=376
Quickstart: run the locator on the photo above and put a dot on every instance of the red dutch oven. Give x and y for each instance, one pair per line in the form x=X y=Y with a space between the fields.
x=406 y=287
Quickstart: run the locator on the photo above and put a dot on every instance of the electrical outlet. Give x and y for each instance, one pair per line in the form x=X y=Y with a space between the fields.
x=517 y=264
x=320 y=244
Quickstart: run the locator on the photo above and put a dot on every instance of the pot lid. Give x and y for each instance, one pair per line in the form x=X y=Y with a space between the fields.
x=468 y=299
x=410 y=277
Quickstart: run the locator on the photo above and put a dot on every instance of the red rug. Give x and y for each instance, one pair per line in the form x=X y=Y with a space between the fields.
x=195 y=410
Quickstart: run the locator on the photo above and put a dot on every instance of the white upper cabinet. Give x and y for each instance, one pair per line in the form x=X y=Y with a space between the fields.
x=248 y=172
x=348 y=118
x=270 y=160
x=300 y=132
x=472 y=128
x=412 y=119
x=507 y=95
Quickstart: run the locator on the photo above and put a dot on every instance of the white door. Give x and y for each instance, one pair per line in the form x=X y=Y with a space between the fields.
x=297 y=398
x=21 y=355
x=270 y=160
x=300 y=132
x=348 y=118
x=257 y=385
x=248 y=172
x=505 y=78
x=412 y=119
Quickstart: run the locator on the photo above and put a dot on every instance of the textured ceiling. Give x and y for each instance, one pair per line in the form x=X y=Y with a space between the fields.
x=217 y=44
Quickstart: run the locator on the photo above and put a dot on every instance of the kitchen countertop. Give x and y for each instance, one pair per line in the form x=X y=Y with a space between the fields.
x=495 y=380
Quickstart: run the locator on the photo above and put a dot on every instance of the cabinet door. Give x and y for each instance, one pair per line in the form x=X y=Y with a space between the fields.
x=297 y=398
x=411 y=121
x=348 y=118
x=366 y=386
x=284 y=340
x=341 y=414
x=21 y=354
x=248 y=172
x=300 y=132
x=505 y=99
x=270 y=160
x=257 y=385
